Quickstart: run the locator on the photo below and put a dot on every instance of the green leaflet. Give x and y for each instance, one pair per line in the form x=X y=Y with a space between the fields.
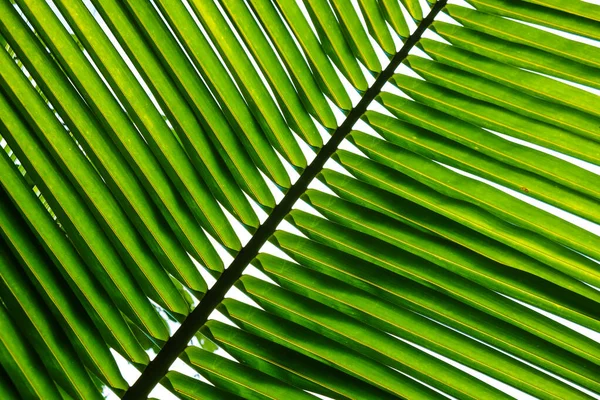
x=315 y=54
x=63 y=153
x=332 y=38
x=429 y=144
x=484 y=89
x=195 y=141
x=414 y=9
x=300 y=73
x=297 y=117
x=121 y=131
x=155 y=131
x=256 y=94
x=523 y=34
x=190 y=388
x=364 y=339
x=319 y=347
x=498 y=119
x=134 y=155
x=527 y=242
x=66 y=202
x=421 y=218
x=90 y=293
x=582 y=9
x=7 y=389
x=421 y=299
x=120 y=178
x=393 y=15
x=581 y=19
x=240 y=380
x=537 y=162
x=22 y=364
x=410 y=326
x=199 y=99
x=288 y=365
x=375 y=20
x=486 y=197
x=415 y=268
x=355 y=34
x=505 y=52
x=236 y=111
x=457 y=259
x=66 y=308
x=42 y=331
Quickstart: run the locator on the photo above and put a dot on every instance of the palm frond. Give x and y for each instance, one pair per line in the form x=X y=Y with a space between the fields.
x=297 y=199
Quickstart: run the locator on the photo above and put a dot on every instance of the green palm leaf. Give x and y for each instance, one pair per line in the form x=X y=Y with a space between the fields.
x=299 y=199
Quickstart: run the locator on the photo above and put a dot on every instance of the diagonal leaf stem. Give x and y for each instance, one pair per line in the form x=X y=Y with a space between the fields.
x=159 y=366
